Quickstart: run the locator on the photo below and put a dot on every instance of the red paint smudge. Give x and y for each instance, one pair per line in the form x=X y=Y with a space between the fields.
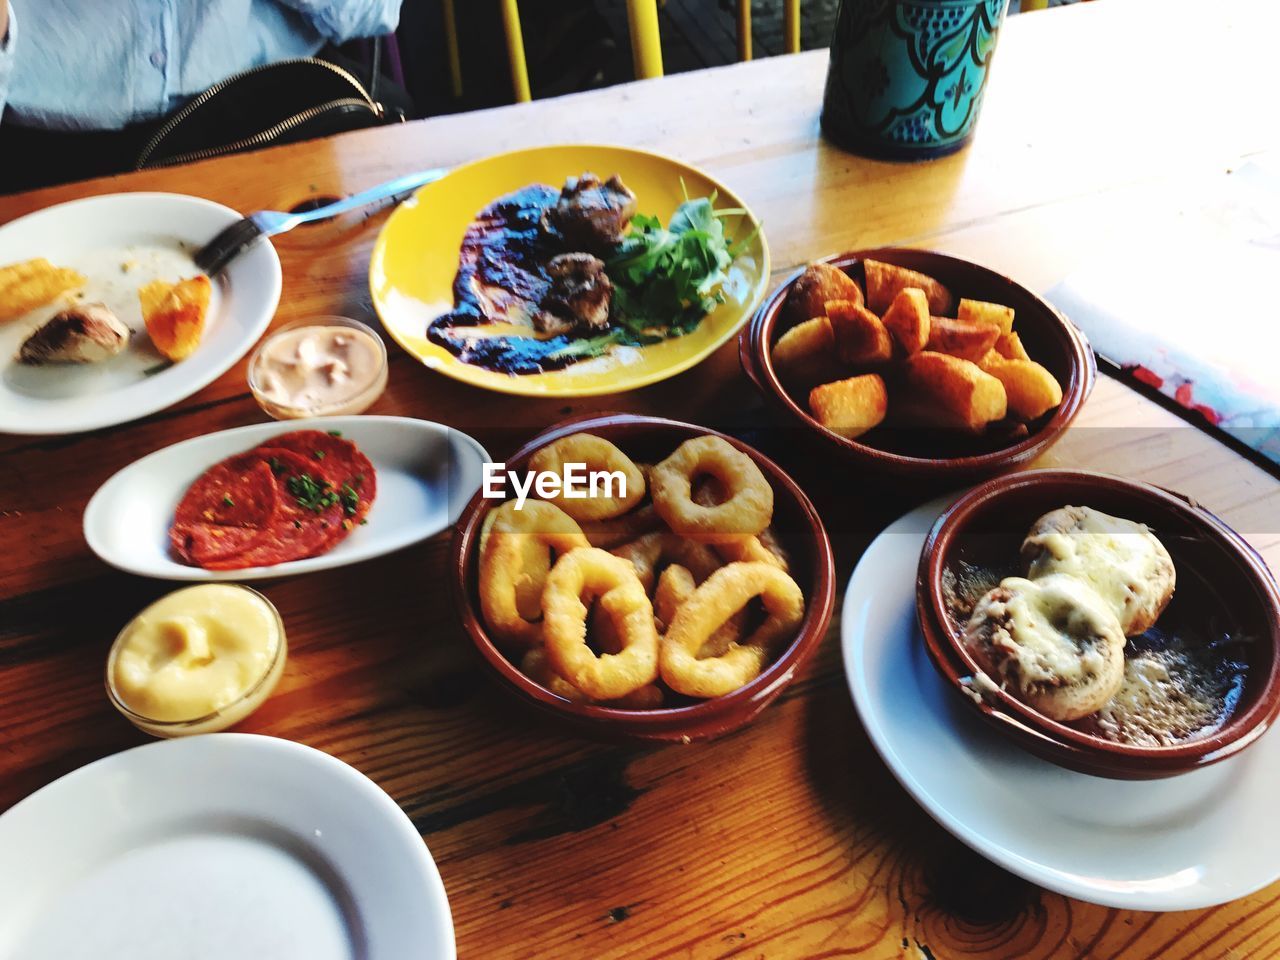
x=1145 y=375
x=1185 y=395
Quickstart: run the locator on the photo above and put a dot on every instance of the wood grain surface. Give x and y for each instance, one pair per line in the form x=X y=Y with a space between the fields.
x=789 y=838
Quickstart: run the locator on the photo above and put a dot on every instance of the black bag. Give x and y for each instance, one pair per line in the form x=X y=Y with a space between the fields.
x=283 y=102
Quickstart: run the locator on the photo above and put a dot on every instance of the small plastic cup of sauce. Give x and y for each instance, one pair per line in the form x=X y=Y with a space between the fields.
x=318 y=367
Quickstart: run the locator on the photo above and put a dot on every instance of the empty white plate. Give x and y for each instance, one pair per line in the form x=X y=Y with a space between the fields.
x=119 y=242
x=426 y=474
x=1182 y=843
x=219 y=846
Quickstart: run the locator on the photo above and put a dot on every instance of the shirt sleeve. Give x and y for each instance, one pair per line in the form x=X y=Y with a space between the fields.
x=6 y=57
x=343 y=20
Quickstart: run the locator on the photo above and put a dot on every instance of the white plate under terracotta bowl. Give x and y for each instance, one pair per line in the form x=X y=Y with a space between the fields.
x=119 y=242
x=1184 y=843
x=426 y=473
x=225 y=845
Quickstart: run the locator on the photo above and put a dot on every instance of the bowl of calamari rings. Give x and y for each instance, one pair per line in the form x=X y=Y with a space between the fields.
x=643 y=578
x=918 y=364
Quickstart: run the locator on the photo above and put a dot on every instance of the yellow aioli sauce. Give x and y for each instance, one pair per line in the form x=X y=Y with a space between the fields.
x=211 y=651
x=329 y=369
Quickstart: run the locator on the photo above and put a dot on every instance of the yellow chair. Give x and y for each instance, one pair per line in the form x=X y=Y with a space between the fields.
x=515 y=51
x=646 y=44
x=790 y=27
x=451 y=44
x=642 y=23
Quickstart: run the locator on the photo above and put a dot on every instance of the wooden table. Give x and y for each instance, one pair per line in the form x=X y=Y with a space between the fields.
x=789 y=838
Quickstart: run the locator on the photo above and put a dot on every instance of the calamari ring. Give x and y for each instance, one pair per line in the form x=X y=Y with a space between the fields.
x=648 y=697
x=762 y=549
x=594 y=573
x=535 y=665
x=535 y=564
x=725 y=592
x=596 y=453
x=608 y=534
x=503 y=574
x=675 y=586
x=748 y=505
x=647 y=554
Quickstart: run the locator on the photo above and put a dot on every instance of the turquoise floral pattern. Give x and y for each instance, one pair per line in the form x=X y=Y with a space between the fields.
x=907 y=76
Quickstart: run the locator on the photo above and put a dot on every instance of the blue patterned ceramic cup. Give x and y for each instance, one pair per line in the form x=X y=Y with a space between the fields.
x=907 y=76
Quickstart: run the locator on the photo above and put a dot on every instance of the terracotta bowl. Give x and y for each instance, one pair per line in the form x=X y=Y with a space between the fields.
x=650 y=439
x=935 y=455
x=1224 y=590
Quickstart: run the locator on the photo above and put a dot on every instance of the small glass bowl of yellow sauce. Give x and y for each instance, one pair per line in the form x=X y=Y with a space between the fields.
x=198 y=660
x=318 y=367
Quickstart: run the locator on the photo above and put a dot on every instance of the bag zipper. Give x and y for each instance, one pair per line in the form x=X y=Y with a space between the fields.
x=266 y=135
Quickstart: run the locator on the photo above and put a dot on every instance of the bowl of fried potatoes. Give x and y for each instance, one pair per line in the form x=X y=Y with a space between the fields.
x=673 y=604
x=919 y=364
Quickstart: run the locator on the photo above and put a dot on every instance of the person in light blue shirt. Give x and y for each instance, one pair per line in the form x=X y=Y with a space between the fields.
x=115 y=65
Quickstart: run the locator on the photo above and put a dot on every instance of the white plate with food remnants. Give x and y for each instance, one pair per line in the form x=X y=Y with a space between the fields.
x=278 y=499
x=1182 y=843
x=216 y=846
x=105 y=318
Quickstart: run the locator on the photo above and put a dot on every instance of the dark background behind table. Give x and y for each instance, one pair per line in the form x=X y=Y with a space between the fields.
x=575 y=45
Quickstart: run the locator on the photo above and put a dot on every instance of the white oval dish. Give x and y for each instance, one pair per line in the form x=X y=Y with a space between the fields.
x=1184 y=843
x=157 y=234
x=426 y=474
x=227 y=844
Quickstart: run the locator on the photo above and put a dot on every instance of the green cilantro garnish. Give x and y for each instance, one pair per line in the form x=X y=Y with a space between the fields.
x=350 y=499
x=595 y=346
x=277 y=467
x=335 y=433
x=318 y=454
x=666 y=279
x=311 y=494
x=298 y=524
x=227 y=501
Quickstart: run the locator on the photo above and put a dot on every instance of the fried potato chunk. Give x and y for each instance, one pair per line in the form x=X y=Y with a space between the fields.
x=961 y=338
x=33 y=283
x=1032 y=390
x=979 y=311
x=819 y=283
x=806 y=354
x=1009 y=346
x=884 y=280
x=850 y=407
x=940 y=390
x=907 y=319
x=175 y=314
x=860 y=336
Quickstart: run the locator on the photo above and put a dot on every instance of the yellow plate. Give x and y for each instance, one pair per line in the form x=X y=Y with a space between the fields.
x=416 y=257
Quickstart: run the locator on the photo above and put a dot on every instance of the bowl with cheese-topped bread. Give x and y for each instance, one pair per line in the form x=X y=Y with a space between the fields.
x=1103 y=623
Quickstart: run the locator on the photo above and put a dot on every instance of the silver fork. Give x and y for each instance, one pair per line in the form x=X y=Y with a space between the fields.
x=242 y=234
